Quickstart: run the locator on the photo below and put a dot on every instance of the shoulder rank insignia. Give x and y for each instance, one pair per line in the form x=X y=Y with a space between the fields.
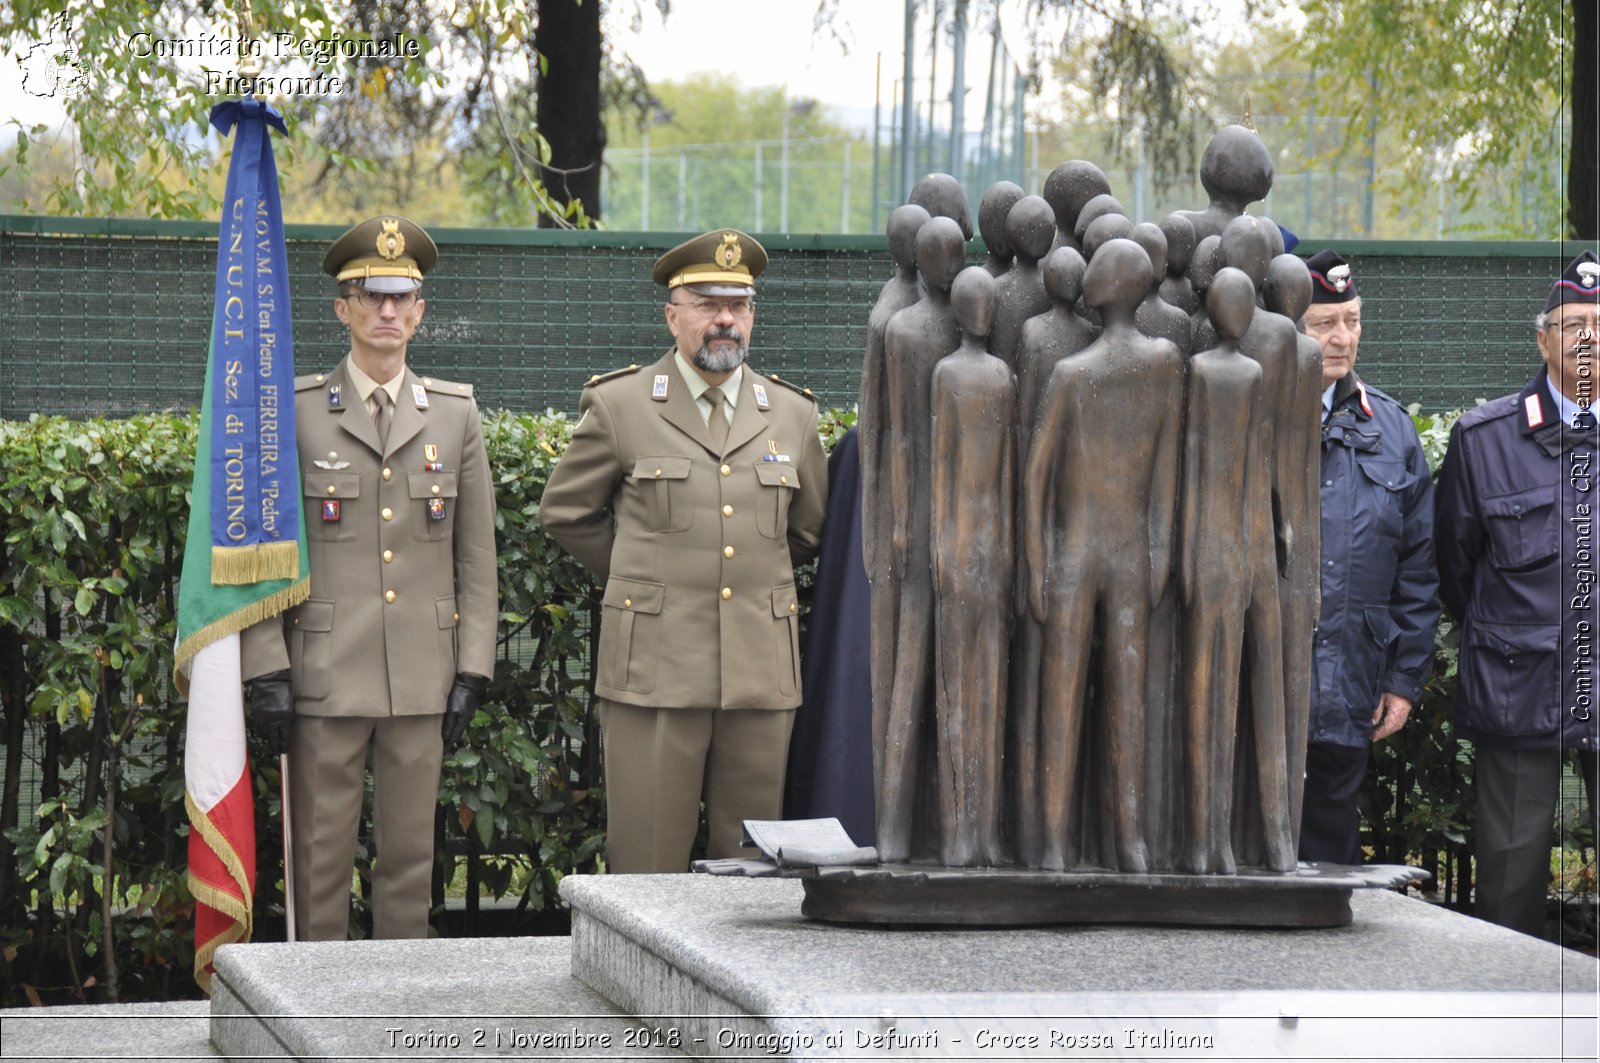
x=335 y=397
x=761 y=396
x=419 y=395
x=658 y=390
x=601 y=378
x=796 y=388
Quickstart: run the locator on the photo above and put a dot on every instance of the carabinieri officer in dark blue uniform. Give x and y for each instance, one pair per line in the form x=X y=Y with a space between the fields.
x=1516 y=512
x=1374 y=638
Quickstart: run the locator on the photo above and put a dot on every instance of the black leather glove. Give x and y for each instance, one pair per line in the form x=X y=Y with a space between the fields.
x=272 y=709
x=466 y=695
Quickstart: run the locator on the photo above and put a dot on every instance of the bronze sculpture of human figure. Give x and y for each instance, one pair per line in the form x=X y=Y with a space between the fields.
x=877 y=519
x=1264 y=832
x=1046 y=339
x=1100 y=492
x=1070 y=186
x=1175 y=287
x=973 y=398
x=1235 y=171
x=917 y=337
x=1155 y=316
x=992 y=210
x=1020 y=294
x=1203 y=266
x=943 y=197
x=1288 y=292
x=1224 y=484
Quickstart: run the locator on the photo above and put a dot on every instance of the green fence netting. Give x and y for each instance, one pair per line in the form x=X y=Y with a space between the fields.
x=109 y=317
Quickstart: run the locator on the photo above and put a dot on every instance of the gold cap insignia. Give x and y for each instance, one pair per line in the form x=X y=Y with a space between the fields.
x=391 y=242
x=729 y=253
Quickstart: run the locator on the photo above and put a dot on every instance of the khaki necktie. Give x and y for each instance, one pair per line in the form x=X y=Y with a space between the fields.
x=718 y=422
x=383 y=415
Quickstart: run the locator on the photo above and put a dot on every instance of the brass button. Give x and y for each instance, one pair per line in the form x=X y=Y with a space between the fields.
x=331 y=489
x=627 y=603
x=658 y=474
x=388 y=556
x=320 y=378
x=455 y=616
x=434 y=488
x=794 y=607
x=388 y=474
x=297 y=621
x=727 y=471
x=594 y=378
x=727 y=551
x=727 y=511
x=783 y=479
x=388 y=514
x=727 y=592
x=388 y=596
x=427 y=382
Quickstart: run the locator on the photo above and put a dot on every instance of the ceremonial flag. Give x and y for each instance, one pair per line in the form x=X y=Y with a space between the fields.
x=245 y=558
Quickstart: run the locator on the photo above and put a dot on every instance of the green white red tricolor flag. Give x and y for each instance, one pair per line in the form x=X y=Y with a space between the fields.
x=245 y=558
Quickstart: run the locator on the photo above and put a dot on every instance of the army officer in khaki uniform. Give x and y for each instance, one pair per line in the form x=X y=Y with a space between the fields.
x=692 y=487
x=394 y=647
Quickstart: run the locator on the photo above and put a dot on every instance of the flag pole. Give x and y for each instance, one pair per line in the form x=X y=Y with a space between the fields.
x=288 y=850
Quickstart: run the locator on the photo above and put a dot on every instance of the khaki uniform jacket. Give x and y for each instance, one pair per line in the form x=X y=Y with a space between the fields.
x=697 y=549
x=400 y=602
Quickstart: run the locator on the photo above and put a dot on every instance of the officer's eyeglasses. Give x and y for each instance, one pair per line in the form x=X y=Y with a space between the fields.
x=713 y=307
x=371 y=300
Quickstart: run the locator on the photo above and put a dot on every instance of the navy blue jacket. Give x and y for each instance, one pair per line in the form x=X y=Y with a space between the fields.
x=830 y=753
x=1515 y=519
x=1379 y=612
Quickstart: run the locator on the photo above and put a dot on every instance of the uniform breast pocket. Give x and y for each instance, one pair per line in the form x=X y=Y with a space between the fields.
x=663 y=483
x=1383 y=484
x=779 y=481
x=433 y=496
x=1522 y=528
x=330 y=498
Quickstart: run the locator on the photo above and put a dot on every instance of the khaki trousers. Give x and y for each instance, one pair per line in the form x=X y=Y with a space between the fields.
x=327 y=761
x=658 y=762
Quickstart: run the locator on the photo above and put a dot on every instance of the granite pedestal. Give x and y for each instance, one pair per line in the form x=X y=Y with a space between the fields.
x=733 y=967
x=461 y=998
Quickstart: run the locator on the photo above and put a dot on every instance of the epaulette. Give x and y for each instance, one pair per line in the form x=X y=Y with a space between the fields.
x=446 y=387
x=309 y=381
x=1493 y=410
x=796 y=388
x=601 y=378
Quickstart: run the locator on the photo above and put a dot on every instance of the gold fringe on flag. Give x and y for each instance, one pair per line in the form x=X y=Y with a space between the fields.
x=233 y=623
x=235 y=908
x=236 y=565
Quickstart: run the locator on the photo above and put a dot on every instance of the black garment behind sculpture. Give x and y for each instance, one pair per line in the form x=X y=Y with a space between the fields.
x=830 y=752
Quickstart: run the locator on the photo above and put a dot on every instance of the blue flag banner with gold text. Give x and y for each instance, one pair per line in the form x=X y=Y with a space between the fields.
x=245 y=560
x=255 y=498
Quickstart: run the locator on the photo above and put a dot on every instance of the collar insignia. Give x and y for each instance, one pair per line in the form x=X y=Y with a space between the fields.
x=761 y=397
x=658 y=390
x=1533 y=411
x=419 y=395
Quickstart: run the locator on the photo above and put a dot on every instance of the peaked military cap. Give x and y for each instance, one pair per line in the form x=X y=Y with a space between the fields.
x=720 y=262
x=384 y=254
x=1578 y=283
x=1331 y=279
